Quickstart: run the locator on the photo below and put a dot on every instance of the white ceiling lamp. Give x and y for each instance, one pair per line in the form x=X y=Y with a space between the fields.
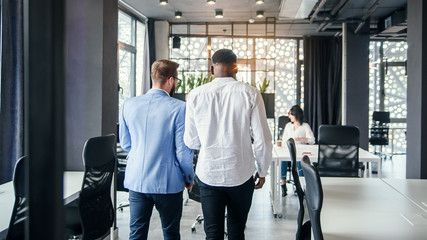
x=259 y=14
x=259 y=1
x=178 y=14
x=163 y=2
x=211 y=2
x=218 y=13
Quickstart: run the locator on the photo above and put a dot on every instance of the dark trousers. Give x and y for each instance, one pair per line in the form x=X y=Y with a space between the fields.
x=238 y=201
x=169 y=207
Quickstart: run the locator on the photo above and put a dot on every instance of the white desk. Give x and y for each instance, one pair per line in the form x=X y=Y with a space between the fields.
x=72 y=186
x=282 y=154
x=368 y=208
x=413 y=189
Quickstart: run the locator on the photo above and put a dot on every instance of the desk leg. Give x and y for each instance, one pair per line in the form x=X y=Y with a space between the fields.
x=275 y=185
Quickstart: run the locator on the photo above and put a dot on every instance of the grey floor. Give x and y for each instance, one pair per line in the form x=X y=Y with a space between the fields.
x=261 y=222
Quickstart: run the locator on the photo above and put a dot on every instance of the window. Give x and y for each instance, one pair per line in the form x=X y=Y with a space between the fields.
x=388 y=88
x=131 y=37
x=259 y=54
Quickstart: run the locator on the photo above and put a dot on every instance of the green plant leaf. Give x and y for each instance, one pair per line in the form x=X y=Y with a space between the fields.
x=264 y=85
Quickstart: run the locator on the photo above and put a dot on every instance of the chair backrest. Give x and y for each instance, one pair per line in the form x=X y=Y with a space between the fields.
x=283 y=120
x=20 y=208
x=338 y=151
x=95 y=205
x=314 y=196
x=379 y=129
x=301 y=234
x=382 y=117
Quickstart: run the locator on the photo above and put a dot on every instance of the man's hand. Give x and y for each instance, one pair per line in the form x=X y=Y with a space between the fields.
x=261 y=181
x=188 y=185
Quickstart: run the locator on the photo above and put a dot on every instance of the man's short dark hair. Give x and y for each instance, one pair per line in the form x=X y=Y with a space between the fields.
x=224 y=56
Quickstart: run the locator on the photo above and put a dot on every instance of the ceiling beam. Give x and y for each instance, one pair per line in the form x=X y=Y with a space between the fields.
x=367 y=14
x=333 y=15
x=317 y=10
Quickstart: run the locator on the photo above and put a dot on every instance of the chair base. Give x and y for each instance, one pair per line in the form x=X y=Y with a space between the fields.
x=122 y=205
x=199 y=220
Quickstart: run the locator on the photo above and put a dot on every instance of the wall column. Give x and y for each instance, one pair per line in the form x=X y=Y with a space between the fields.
x=90 y=74
x=355 y=97
x=416 y=153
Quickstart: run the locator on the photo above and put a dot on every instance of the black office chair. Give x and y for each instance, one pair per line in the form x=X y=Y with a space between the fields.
x=379 y=131
x=314 y=196
x=282 y=121
x=303 y=230
x=20 y=208
x=339 y=151
x=121 y=169
x=93 y=215
x=194 y=193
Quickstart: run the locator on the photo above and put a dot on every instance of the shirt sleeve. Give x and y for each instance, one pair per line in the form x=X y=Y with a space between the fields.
x=309 y=134
x=191 y=136
x=263 y=146
x=124 y=135
x=184 y=154
x=287 y=133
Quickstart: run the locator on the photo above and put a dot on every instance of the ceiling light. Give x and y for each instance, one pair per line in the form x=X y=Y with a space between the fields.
x=259 y=1
x=218 y=13
x=259 y=14
x=163 y=2
x=251 y=20
x=211 y=2
x=178 y=14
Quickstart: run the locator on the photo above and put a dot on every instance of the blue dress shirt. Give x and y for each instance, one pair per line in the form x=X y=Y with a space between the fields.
x=151 y=130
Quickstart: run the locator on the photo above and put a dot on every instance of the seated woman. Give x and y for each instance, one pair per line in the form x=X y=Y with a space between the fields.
x=300 y=132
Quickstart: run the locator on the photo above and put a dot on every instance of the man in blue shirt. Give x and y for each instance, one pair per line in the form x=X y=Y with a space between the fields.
x=159 y=164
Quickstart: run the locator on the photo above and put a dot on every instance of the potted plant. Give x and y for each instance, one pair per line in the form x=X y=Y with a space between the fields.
x=269 y=98
x=180 y=88
x=189 y=83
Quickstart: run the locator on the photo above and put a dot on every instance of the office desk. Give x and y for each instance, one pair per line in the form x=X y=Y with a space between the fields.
x=368 y=208
x=72 y=186
x=282 y=154
x=413 y=189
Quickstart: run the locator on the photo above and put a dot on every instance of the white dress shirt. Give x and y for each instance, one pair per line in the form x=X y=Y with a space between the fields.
x=303 y=131
x=220 y=117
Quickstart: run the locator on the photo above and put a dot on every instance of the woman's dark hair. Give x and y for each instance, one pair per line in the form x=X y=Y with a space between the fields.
x=297 y=112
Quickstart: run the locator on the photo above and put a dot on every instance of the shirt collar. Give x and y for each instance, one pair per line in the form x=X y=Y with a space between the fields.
x=224 y=79
x=157 y=91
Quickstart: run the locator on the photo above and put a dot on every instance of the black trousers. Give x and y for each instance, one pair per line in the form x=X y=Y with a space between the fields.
x=141 y=207
x=238 y=201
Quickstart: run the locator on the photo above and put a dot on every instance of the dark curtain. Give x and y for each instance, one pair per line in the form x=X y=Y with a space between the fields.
x=151 y=44
x=322 y=81
x=12 y=88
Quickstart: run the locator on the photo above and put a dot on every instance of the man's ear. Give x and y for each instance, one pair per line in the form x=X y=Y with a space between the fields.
x=212 y=70
x=235 y=68
x=171 y=81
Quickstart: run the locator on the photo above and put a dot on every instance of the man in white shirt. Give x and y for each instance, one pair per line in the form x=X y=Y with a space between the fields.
x=221 y=117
